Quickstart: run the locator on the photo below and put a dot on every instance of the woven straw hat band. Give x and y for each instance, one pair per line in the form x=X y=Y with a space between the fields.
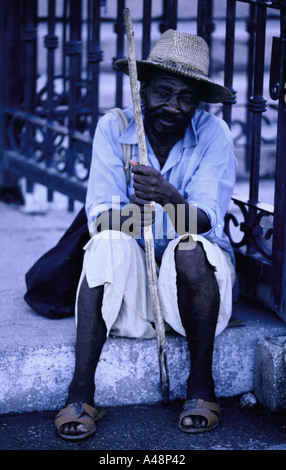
x=182 y=50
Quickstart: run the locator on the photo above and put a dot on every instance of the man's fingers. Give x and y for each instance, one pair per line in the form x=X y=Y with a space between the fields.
x=134 y=199
x=145 y=170
x=141 y=212
x=142 y=169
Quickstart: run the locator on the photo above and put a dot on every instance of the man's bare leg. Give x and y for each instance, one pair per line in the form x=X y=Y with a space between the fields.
x=198 y=300
x=91 y=336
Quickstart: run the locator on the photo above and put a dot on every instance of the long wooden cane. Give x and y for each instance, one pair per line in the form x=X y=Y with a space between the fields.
x=148 y=234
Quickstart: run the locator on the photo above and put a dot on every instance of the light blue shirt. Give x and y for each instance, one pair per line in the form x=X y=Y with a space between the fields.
x=201 y=166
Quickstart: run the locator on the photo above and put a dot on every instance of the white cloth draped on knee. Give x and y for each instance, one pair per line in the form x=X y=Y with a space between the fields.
x=224 y=273
x=117 y=262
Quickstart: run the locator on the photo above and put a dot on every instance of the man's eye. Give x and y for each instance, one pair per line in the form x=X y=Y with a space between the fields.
x=187 y=99
x=162 y=93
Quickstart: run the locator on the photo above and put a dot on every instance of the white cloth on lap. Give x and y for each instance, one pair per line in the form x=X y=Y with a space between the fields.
x=116 y=261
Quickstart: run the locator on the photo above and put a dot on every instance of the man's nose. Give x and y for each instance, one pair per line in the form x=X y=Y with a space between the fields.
x=172 y=105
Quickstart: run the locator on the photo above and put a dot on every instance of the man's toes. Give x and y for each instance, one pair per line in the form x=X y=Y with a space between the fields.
x=200 y=422
x=68 y=429
x=196 y=422
x=72 y=429
x=81 y=429
x=187 y=422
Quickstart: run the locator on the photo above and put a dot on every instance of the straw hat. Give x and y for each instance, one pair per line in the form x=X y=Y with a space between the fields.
x=182 y=54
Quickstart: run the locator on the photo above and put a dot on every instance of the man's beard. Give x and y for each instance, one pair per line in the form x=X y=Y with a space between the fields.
x=164 y=126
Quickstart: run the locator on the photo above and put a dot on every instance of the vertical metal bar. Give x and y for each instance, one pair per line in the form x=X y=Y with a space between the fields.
x=205 y=27
x=64 y=33
x=119 y=51
x=30 y=73
x=251 y=28
x=229 y=59
x=51 y=43
x=202 y=15
x=279 y=227
x=78 y=28
x=173 y=14
x=73 y=50
x=210 y=29
x=2 y=83
x=147 y=7
x=30 y=43
x=11 y=85
x=94 y=57
x=257 y=103
x=89 y=25
x=170 y=15
x=30 y=51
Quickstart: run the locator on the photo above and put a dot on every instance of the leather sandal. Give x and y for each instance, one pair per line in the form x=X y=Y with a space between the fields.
x=80 y=413
x=208 y=410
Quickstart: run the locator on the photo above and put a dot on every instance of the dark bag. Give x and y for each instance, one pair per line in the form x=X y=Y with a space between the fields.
x=52 y=281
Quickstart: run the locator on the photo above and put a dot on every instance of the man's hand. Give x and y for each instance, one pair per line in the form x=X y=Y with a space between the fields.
x=149 y=184
x=141 y=211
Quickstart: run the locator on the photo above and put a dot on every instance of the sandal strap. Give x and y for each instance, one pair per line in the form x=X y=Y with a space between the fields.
x=198 y=407
x=79 y=413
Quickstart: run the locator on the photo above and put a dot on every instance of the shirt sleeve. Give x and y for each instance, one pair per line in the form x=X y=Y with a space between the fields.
x=107 y=185
x=211 y=185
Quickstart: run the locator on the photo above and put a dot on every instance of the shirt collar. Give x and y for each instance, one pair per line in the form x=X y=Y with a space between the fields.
x=190 y=138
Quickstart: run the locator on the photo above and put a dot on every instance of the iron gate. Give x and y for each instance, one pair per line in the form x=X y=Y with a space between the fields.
x=57 y=63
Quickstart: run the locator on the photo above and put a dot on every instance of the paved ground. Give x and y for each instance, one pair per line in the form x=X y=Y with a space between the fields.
x=151 y=428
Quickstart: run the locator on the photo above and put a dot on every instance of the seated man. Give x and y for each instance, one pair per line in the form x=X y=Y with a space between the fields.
x=190 y=178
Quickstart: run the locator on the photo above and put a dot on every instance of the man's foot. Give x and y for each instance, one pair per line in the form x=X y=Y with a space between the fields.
x=76 y=421
x=80 y=393
x=199 y=416
x=205 y=390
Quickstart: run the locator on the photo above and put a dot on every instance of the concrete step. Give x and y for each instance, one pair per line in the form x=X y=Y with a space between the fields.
x=37 y=359
x=37 y=354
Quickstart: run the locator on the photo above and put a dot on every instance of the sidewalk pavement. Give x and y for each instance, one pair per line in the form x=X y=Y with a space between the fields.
x=151 y=429
x=37 y=357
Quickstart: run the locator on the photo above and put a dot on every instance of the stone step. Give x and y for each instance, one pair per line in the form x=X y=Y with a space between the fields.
x=37 y=360
x=37 y=354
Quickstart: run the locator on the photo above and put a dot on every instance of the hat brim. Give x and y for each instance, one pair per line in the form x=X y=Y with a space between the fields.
x=210 y=91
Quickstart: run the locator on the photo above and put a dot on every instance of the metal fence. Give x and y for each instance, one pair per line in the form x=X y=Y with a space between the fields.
x=58 y=77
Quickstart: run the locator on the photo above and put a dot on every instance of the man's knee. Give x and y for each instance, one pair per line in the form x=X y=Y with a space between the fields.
x=191 y=261
x=111 y=241
x=109 y=253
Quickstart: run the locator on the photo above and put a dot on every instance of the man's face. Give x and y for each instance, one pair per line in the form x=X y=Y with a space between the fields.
x=170 y=102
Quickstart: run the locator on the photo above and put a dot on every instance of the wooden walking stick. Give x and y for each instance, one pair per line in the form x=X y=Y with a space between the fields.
x=148 y=234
